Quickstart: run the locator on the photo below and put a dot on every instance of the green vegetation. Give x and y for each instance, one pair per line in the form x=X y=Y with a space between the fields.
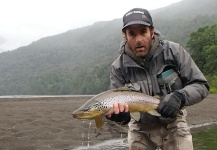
x=213 y=83
x=203 y=46
x=78 y=61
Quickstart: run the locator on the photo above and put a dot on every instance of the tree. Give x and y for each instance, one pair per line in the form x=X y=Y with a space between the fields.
x=203 y=48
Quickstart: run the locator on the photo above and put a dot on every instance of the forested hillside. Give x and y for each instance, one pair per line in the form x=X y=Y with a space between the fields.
x=77 y=61
x=202 y=46
x=178 y=20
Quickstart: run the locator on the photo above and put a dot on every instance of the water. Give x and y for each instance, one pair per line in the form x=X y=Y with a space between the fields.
x=204 y=138
x=113 y=144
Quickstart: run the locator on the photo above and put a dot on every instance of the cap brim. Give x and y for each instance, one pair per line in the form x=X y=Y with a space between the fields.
x=136 y=22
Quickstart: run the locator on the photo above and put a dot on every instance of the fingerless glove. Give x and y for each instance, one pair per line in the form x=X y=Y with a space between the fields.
x=121 y=118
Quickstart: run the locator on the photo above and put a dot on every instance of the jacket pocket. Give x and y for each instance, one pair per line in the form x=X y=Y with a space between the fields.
x=168 y=79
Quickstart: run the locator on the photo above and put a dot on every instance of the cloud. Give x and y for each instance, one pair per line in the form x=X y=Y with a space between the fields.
x=24 y=21
x=2 y=40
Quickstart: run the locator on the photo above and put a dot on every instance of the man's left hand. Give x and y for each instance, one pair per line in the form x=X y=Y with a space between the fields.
x=170 y=105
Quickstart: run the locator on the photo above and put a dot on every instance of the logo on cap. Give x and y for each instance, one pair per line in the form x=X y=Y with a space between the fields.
x=144 y=17
x=134 y=12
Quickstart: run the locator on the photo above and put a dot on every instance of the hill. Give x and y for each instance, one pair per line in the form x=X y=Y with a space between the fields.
x=77 y=61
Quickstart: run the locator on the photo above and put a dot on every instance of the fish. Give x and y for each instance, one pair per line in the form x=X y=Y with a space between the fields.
x=101 y=104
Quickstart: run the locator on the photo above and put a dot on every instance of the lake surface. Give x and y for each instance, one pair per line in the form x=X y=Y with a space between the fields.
x=204 y=138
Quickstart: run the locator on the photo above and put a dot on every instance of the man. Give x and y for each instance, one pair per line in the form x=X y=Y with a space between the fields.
x=151 y=65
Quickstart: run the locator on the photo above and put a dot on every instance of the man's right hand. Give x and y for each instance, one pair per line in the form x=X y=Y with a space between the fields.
x=120 y=114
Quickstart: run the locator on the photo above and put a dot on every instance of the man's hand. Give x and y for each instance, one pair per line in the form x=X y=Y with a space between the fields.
x=170 y=106
x=121 y=114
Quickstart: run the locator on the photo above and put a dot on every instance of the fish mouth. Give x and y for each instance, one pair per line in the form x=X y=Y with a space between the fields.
x=81 y=115
x=86 y=114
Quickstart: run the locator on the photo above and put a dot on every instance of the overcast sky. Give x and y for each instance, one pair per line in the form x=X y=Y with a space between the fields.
x=24 y=21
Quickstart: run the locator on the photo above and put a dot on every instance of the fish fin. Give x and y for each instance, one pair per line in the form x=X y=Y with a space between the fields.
x=124 y=88
x=135 y=115
x=157 y=97
x=154 y=113
x=128 y=87
x=99 y=122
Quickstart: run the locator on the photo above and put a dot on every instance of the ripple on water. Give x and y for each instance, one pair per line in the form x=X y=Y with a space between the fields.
x=114 y=144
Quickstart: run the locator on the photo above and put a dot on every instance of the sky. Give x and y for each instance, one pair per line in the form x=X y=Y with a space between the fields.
x=25 y=21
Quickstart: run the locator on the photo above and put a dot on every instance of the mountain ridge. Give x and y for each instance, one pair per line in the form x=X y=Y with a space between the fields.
x=77 y=61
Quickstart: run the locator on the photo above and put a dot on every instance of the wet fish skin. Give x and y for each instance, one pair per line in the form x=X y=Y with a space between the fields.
x=102 y=104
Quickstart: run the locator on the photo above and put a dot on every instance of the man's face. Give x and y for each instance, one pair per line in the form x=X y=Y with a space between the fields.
x=139 y=39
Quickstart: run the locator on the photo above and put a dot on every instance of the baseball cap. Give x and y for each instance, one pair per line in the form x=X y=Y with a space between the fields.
x=137 y=16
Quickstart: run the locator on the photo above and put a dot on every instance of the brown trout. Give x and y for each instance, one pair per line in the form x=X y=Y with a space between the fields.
x=102 y=104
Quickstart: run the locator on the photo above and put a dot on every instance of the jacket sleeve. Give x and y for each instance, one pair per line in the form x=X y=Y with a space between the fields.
x=196 y=87
x=116 y=75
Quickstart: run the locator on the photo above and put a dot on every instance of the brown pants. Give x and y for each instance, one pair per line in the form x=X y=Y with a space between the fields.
x=165 y=136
